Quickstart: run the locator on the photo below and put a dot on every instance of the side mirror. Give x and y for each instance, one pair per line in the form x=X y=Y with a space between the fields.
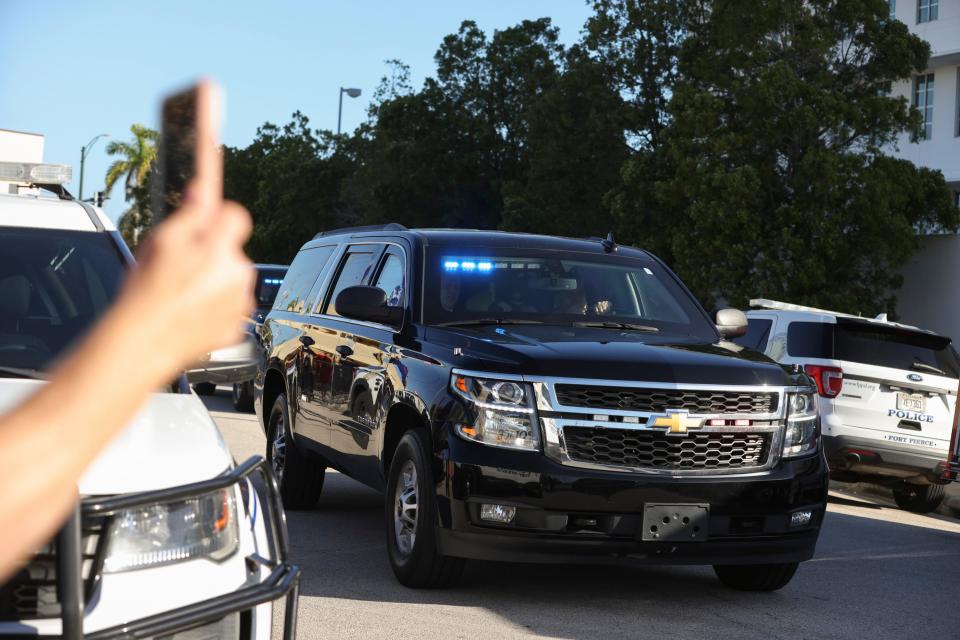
x=732 y=323
x=368 y=304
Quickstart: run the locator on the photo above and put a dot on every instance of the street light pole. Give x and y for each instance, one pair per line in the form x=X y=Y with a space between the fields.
x=83 y=157
x=353 y=93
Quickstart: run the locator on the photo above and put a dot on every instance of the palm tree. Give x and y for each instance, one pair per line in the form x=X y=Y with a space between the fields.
x=136 y=158
x=135 y=162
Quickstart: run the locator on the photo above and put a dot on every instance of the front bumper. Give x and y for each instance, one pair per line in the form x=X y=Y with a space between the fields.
x=281 y=581
x=570 y=515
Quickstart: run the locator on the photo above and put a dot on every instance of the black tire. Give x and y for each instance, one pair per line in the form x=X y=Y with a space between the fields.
x=243 y=396
x=300 y=477
x=756 y=577
x=421 y=565
x=919 y=498
x=205 y=388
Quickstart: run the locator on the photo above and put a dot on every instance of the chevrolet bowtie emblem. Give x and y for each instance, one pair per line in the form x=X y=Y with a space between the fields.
x=677 y=421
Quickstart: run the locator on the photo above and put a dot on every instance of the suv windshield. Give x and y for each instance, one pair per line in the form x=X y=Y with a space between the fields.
x=268 y=284
x=523 y=286
x=53 y=285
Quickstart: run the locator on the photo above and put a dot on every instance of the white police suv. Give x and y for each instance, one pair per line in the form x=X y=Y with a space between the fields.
x=170 y=537
x=888 y=393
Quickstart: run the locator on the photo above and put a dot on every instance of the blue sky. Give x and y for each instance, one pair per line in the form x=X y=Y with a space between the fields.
x=71 y=70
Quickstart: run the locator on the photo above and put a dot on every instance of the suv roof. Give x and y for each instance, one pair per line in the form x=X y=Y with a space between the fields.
x=825 y=315
x=44 y=212
x=493 y=239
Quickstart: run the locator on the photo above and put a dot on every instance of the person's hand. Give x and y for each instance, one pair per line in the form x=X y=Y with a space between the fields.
x=193 y=279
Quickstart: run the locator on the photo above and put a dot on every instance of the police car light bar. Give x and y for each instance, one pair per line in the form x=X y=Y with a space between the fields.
x=35 y=173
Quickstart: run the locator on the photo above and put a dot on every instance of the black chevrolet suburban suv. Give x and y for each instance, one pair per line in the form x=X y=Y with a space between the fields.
x=529 y=398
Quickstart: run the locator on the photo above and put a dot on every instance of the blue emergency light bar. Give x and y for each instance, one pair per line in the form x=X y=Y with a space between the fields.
x=468 y=265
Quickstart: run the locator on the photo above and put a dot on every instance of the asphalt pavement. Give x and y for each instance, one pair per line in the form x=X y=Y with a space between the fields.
x=879 y=573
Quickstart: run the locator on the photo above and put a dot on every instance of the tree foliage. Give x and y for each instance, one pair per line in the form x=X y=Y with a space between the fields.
x=289 y=181
x=134 y=164
x=744 y=141
x=778 y=186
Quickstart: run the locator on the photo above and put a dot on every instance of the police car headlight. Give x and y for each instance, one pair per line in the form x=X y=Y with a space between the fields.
x=159 y=534
x=499 y=412
x=803 y=424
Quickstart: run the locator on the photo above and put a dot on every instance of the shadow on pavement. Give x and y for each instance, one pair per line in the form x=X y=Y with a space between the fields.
x=846 y=592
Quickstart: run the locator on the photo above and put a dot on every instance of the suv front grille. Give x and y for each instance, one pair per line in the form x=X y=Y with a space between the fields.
x=31 y=593
x=643 y=448
x=657 y=400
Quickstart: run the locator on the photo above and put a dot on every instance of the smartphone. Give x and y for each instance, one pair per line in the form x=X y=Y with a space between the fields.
x=189 y=146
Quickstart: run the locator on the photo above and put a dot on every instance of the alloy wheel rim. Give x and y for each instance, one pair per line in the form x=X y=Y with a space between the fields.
x=405 y=508
x=278 y=448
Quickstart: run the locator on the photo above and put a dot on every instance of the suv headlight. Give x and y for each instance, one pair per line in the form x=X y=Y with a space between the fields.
x=500 y=412
x=158 y=534
x=803 y=424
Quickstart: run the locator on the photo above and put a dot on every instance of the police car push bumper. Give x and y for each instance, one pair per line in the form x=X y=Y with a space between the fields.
x=281 y=581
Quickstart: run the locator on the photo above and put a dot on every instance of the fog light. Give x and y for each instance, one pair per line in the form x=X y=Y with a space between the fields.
x=497 y=513
x=800 y=518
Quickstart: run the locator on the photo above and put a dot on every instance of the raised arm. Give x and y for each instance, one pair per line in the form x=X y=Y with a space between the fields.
x=188 y=295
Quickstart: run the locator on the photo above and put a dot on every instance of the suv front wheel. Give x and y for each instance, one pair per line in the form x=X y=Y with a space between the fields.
x=919 y=499
x=300 y=477
x=756 y=577
x=411 y=518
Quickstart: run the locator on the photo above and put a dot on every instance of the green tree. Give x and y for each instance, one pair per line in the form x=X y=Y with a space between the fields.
x=638 y=42
x=487 y=142
x=134 y=165
x=573 y=151
x=771 y=179
x=290 y=180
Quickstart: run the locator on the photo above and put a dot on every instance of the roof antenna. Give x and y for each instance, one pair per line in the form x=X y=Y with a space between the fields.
x=609 y=245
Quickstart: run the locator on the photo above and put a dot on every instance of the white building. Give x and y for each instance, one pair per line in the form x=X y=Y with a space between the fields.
x=936 y=91
x=20 y=146
x=930 y=296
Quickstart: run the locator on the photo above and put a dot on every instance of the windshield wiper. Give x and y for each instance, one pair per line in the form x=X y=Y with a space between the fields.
x=485 y=321
x=923 y=366
x=617 y=325
x=17 y=372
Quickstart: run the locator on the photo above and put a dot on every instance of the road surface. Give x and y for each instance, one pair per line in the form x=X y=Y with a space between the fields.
x=879 y=573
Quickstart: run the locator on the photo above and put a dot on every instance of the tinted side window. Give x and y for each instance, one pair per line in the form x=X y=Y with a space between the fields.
x=354 y=270
x=391 y=280
x=810 y=340
x=758 y=331
x=306 y=268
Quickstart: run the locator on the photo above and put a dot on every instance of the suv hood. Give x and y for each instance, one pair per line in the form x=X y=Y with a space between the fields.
x=170 y=442
x=606 y=354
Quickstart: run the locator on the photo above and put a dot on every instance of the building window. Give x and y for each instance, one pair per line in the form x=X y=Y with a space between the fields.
x=923 y=101
x=956 y=118
x=927 y=10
